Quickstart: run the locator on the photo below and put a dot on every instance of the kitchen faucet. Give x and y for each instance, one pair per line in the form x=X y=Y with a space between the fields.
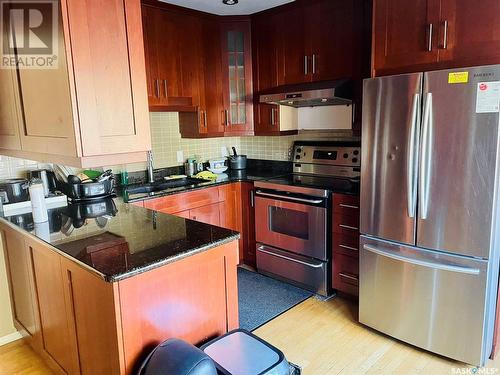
x=151 y=177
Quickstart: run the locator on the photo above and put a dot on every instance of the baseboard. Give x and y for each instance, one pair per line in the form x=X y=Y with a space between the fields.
x=9 y=338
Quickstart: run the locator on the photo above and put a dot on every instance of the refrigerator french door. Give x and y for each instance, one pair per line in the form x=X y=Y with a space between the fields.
x=429 y=209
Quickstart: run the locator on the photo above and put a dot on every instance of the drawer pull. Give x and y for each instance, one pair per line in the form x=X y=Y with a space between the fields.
x=352 y=278
x=348 y=247
x=348 y=227
x=349 y=206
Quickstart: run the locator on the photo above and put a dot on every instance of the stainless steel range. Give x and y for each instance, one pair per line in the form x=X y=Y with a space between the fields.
x=293 y=213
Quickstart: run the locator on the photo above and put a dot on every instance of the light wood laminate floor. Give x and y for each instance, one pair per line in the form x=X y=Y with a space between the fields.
x=323 y=337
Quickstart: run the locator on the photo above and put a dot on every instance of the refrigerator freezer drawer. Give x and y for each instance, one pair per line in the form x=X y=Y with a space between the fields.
x=310 y=274
x=432 y=300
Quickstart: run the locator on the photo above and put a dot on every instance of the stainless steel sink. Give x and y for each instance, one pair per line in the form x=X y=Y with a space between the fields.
x=164 y=185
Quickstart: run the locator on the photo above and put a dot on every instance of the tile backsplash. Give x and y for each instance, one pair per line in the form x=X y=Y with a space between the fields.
x=167 y=141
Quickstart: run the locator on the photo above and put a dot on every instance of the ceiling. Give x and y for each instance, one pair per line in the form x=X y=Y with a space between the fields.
x=244 y=7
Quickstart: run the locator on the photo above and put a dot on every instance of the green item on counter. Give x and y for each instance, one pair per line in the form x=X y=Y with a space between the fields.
x=124 y=178
x=92 y=173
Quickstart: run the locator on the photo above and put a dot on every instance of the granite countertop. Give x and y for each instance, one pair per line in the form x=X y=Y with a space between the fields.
x=116 y=240
x=249 y=175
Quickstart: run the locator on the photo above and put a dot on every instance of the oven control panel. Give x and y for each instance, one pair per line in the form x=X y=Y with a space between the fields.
x=331 y=155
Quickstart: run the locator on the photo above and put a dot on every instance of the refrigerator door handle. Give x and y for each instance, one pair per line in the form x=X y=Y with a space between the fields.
x=413 y=140
x=425 y=158
x=423 y=263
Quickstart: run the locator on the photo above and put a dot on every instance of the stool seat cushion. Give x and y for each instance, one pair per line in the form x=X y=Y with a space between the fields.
x=177 y=357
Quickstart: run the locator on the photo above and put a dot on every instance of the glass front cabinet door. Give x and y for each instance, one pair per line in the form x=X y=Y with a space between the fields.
x=237 y=77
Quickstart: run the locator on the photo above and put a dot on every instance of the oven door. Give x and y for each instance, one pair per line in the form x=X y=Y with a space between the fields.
x=292 y=223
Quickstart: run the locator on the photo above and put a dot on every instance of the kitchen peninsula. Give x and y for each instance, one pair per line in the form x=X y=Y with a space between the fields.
x=98 y=286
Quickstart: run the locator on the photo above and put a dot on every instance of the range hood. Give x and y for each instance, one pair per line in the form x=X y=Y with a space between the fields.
x=310 y=94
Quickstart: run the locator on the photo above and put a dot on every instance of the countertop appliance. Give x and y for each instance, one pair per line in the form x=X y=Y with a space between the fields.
x=430 y=223
x=293 y=213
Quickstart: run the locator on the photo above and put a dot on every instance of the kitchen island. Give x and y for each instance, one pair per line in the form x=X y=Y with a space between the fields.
x=96 y=287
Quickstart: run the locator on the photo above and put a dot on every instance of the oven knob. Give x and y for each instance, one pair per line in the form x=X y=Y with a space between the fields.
x=346 y=156
x=297 y=157
x=356 y=152
x=355 y=160
x=299 y=150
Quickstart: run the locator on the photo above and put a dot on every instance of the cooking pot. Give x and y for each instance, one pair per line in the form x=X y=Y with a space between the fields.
x=236 y=161
x=16 y=189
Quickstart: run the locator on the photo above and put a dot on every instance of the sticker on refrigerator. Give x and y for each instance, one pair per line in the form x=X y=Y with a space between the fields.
x=488 y=97
x=458 y=77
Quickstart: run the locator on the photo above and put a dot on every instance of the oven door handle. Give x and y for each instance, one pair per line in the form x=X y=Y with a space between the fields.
x=263 y=250
x=303 y=200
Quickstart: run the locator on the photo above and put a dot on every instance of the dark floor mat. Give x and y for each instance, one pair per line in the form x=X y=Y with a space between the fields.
x=262 y=298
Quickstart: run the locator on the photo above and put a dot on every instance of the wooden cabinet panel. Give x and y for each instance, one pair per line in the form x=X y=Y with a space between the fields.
x=20 y=271
x=98 y=338
x=194 y=306
x=185 y=214
x=45 y=94
x=109 y=75
x=91 y=110
x=10 y=110
x=345 y=276
x=58 y=336
x=206 y=214
x=402 y=38
x=184 y=201
x=247 y=224
x=473 y=32
x=294 y=62
x=345 y=243
x=332 y=30
x=230 y=207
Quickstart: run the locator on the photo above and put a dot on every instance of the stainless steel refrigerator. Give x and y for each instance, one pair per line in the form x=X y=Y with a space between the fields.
x=430 y=209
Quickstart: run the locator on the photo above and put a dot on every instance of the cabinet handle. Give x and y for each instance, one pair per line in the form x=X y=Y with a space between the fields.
x=273 y=119
x=348 y=227
x=205 y=118
x=157 y=86
x=306 y=63
x=165 y=84
x=314 y=63
x=252 y=198
x=348 y=247
x=226 y=114
x=445 y=34
x=348 y=206
x=349 y=277
x=429 y=42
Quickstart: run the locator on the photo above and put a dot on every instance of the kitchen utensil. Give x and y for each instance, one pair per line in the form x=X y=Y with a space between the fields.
x=218 y=170
x=234 y=151
x=16 y=189
x=217 y=163
x=238 y=162
x=190 y=168
x=106 y=175
x=84 y=178
x=38 y=206
x=90 y=190
x=47 y=177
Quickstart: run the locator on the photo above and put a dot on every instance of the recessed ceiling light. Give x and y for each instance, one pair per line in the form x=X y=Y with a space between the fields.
x=230 y=2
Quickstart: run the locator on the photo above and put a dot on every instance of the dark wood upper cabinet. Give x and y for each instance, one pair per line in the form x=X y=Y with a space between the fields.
x=165 y=41
x=469 y=32
x=294 y=65
x=434 y=34
x=405 y=33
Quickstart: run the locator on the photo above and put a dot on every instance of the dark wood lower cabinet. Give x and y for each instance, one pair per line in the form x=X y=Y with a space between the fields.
x=81 y=324
x=229 y=206
x=345 y=244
